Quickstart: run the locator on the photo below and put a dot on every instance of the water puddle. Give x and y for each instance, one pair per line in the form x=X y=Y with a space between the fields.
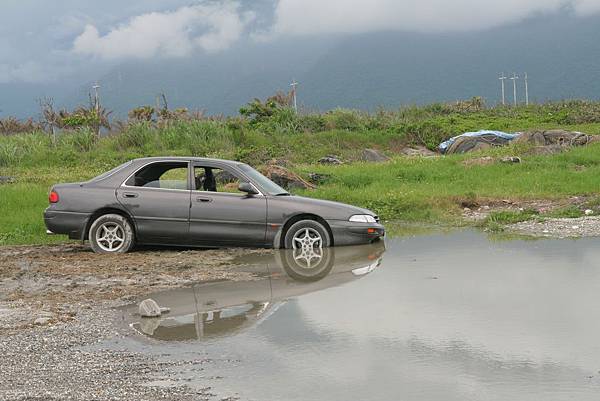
x=219 y=309
x=449 y=316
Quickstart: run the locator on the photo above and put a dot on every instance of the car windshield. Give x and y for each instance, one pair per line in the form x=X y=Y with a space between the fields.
x=111 y=172
x=267 y=185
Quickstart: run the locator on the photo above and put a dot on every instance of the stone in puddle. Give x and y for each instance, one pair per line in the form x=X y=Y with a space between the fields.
x=149 y=308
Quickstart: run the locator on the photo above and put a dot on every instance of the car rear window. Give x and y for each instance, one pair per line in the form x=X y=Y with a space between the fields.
x=162 y=175
x=111 y=172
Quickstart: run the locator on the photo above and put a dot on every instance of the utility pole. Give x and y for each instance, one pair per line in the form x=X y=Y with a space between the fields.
x=96 y=98
x=294 y=84
x=502 y=79
x=97 y=107
x=514 y=79
x=526 y=91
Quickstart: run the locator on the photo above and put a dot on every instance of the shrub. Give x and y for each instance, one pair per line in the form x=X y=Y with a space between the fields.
x=258 y=111
x=343 y=119
x=12 y=126
x=143 y=113
x=135 y=136
x=81 y=140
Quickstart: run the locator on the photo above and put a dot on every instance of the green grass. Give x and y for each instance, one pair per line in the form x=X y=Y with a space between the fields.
x=21 y=221
x=496 y=220
x=422 y=190
x=569 y=212
x=430 y=189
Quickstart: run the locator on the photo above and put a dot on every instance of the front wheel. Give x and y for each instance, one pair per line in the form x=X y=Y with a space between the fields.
x=111 y=233
x=307 y=235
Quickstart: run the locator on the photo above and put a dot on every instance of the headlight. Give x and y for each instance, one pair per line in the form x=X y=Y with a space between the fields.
x=362 y=218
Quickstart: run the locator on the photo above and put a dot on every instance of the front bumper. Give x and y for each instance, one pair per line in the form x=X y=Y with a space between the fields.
x=351 y=233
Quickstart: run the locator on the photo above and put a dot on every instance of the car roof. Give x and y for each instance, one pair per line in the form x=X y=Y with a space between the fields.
x=186 y=158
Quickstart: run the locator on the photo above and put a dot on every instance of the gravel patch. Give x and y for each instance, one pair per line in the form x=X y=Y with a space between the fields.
x=48 y=362
x=588 y=226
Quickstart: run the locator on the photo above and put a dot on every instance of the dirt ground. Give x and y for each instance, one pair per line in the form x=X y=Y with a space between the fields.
x=45 y=282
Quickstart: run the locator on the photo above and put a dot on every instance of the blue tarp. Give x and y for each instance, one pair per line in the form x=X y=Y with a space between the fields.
x=505 y=135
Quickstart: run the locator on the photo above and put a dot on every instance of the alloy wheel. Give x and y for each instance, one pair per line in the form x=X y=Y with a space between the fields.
x=110 y=237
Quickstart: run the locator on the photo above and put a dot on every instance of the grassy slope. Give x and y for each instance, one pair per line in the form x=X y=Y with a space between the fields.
x=413 y=189
x=429 y=189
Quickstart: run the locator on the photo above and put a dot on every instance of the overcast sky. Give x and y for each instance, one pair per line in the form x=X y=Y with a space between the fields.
x=42 y=41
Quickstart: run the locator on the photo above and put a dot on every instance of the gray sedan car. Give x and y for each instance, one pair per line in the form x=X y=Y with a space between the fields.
x=200 y=202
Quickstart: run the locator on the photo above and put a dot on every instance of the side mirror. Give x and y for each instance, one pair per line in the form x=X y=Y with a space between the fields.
x=248 y=188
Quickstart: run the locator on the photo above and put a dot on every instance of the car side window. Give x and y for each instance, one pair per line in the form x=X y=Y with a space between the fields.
x=212 y=179
x=167 y=175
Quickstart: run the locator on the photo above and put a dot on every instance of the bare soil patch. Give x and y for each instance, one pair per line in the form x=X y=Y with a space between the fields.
x=48 y=276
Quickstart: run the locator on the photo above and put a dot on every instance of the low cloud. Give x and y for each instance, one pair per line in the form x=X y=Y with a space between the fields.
x=216 y=25
x=29 y=72
x=305 y=17
x=208 y=27
x=587 y=7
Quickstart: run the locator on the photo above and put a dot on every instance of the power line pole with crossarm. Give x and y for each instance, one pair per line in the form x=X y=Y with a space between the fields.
x=502 y=79
x=514 y=79
x=294 y=84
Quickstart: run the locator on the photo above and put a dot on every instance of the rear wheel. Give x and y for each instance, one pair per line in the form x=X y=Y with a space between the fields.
x=111 y=233
x=307 y=235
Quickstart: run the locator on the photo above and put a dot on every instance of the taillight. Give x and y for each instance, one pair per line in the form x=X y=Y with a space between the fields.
x=53 y=197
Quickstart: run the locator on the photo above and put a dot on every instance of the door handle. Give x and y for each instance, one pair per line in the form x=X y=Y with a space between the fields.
x=203 y=199
x=130 y=195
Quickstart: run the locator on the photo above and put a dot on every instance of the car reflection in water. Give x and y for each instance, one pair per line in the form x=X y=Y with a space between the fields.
x=217 y=309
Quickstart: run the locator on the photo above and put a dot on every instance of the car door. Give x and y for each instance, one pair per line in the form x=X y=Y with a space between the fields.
x=158 y=197
x=222 y=215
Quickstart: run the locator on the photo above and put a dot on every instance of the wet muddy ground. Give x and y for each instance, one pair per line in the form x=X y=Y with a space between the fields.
x=55 y=299
x=66 y=273
x=441 y=316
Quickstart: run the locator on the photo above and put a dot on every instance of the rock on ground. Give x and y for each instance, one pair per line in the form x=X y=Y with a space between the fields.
x=330 y=160
x=372 y=155
x=6 y=179
x=418 y=151
x=285 y=178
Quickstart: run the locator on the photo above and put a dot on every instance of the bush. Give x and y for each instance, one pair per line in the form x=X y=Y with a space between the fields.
x=343 y=119
x=137 y=136
x=143 y=113
x=81 y=140
x=311 y=123
x=258 y=111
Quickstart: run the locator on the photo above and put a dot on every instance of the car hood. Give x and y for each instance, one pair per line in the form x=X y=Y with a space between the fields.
x=324 y=208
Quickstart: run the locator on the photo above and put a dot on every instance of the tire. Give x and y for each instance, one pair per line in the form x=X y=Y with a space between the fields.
x=111 y=233
x=300 y=229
